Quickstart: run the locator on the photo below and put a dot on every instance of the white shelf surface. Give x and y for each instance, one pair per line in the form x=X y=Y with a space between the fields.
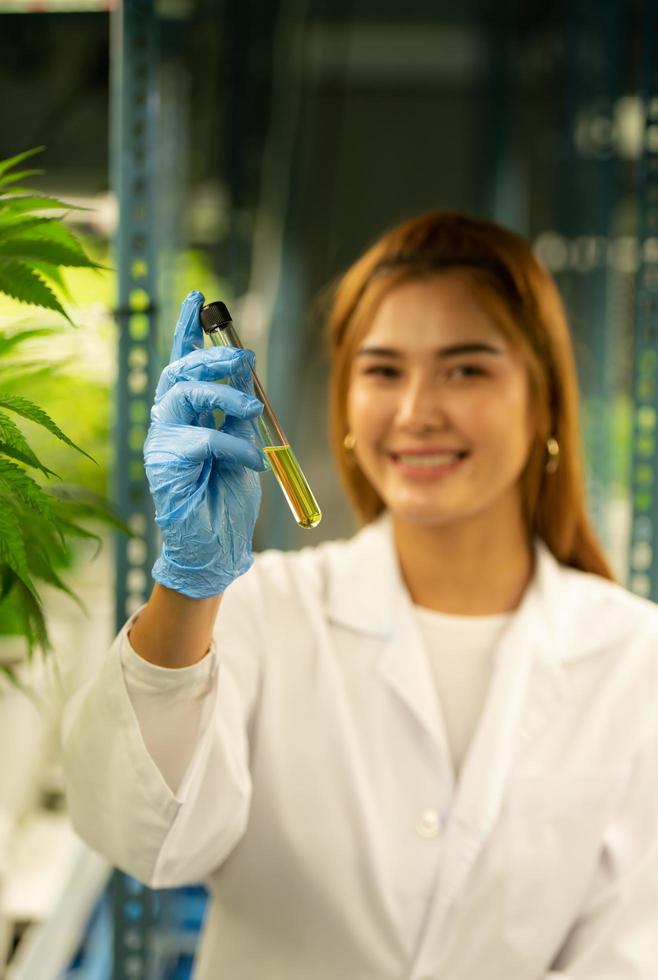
x=52 y=881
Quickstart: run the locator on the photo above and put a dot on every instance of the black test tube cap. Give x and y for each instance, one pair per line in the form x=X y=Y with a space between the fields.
x=214 y=316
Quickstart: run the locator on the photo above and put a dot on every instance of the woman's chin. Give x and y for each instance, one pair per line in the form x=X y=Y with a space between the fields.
x=421 y=514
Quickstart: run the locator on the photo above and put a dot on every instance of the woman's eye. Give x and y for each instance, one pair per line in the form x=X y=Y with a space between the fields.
x=466 y=371
x=382 y=371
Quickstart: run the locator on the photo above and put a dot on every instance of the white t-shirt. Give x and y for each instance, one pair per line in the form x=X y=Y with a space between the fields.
x=172 y=708
x=460 y=650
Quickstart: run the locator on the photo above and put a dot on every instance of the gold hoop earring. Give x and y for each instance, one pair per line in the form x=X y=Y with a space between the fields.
x=349 y=442
x=553 y=450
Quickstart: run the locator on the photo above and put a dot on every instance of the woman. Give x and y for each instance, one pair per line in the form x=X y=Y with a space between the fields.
x=427 y=752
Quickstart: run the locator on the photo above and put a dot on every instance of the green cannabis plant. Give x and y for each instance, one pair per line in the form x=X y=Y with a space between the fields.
x=38 y=519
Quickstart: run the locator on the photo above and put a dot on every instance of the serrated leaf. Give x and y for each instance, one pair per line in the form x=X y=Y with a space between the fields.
x=34 y=625
x=80 y=502
x=34 y=248
x=12 y=545
x=11 y=434
x=45 y=541
x=22 y=283
x=18 y=485
x=10 y=178
x=22 y=406
x=54 y=274
x=28 y=458
x=6 y=580
x=49 y=575
x=20 y=224
x=50 y=203
x=46 y=229
x=10 y=162
x=13 y=443
x=41 y=566
x=42 y=250
x=21 y=203
x=73 y=530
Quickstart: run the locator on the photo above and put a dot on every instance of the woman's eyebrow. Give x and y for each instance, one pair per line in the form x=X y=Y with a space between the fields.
x=452 y=350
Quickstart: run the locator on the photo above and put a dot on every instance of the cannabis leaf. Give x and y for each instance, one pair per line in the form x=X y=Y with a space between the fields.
x=37 y=521
x=22 y=406
x=33 y=247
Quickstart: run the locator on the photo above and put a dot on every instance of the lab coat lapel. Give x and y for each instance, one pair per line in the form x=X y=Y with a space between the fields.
x=405 y=668
x=527 y=688
x=509 y=719
x=367 y=594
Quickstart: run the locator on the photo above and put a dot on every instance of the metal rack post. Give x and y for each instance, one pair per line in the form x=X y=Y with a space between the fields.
x=134 y=118
x=134 y=164
x=643 y=558
x=588 y=199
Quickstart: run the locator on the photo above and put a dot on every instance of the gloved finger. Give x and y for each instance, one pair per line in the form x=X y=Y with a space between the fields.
x=176 y=448
x=209 y=364
x=232 y=449
x=245 y=428
x=188 y=333
x=186 y=400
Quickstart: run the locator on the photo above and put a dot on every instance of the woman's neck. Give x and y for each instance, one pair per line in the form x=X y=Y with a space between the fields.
x=473 y=570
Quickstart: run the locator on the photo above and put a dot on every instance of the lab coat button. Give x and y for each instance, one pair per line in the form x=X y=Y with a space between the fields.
x=429 y=824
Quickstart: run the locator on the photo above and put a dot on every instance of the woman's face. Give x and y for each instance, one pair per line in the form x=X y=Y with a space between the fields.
x=439 y=405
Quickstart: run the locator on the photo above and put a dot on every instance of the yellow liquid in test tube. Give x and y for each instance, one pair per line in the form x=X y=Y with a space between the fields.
x=293 y=483
x=217 y=323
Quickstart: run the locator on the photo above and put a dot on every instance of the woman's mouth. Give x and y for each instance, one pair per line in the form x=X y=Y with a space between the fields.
x=428 y=463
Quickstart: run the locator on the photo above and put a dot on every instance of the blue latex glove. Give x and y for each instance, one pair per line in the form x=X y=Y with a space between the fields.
x=202 y=480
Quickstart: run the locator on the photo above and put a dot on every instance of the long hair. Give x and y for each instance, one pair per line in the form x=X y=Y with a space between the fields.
x=523 y=300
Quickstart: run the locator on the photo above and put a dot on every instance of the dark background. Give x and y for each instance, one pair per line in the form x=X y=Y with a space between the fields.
x=328 y=122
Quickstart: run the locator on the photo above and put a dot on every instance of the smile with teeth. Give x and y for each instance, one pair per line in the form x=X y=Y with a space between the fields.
x=427 y=460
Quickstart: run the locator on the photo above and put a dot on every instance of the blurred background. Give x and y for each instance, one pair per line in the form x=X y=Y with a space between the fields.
x=252 y=150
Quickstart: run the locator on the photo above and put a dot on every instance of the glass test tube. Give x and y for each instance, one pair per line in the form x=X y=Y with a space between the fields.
x=217 y=323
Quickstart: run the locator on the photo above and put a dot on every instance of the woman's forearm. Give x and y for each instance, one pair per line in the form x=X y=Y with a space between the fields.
x=173 y=630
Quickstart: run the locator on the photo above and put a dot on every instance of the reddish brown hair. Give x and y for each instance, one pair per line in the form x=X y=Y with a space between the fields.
x=524 y=301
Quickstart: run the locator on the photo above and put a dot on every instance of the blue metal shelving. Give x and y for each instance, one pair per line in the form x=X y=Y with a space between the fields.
x=643 y=557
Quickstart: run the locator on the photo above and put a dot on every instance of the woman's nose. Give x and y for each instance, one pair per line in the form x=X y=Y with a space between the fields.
x=420 y=404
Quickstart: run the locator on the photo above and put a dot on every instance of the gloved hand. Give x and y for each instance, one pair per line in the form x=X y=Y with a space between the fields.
x=202 y=479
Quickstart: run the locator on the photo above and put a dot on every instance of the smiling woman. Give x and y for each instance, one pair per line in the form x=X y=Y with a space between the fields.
x=466 y=281
x=438 y=405
x=427 y=751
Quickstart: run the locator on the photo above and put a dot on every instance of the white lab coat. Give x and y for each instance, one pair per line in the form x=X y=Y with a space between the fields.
x=322 y=810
